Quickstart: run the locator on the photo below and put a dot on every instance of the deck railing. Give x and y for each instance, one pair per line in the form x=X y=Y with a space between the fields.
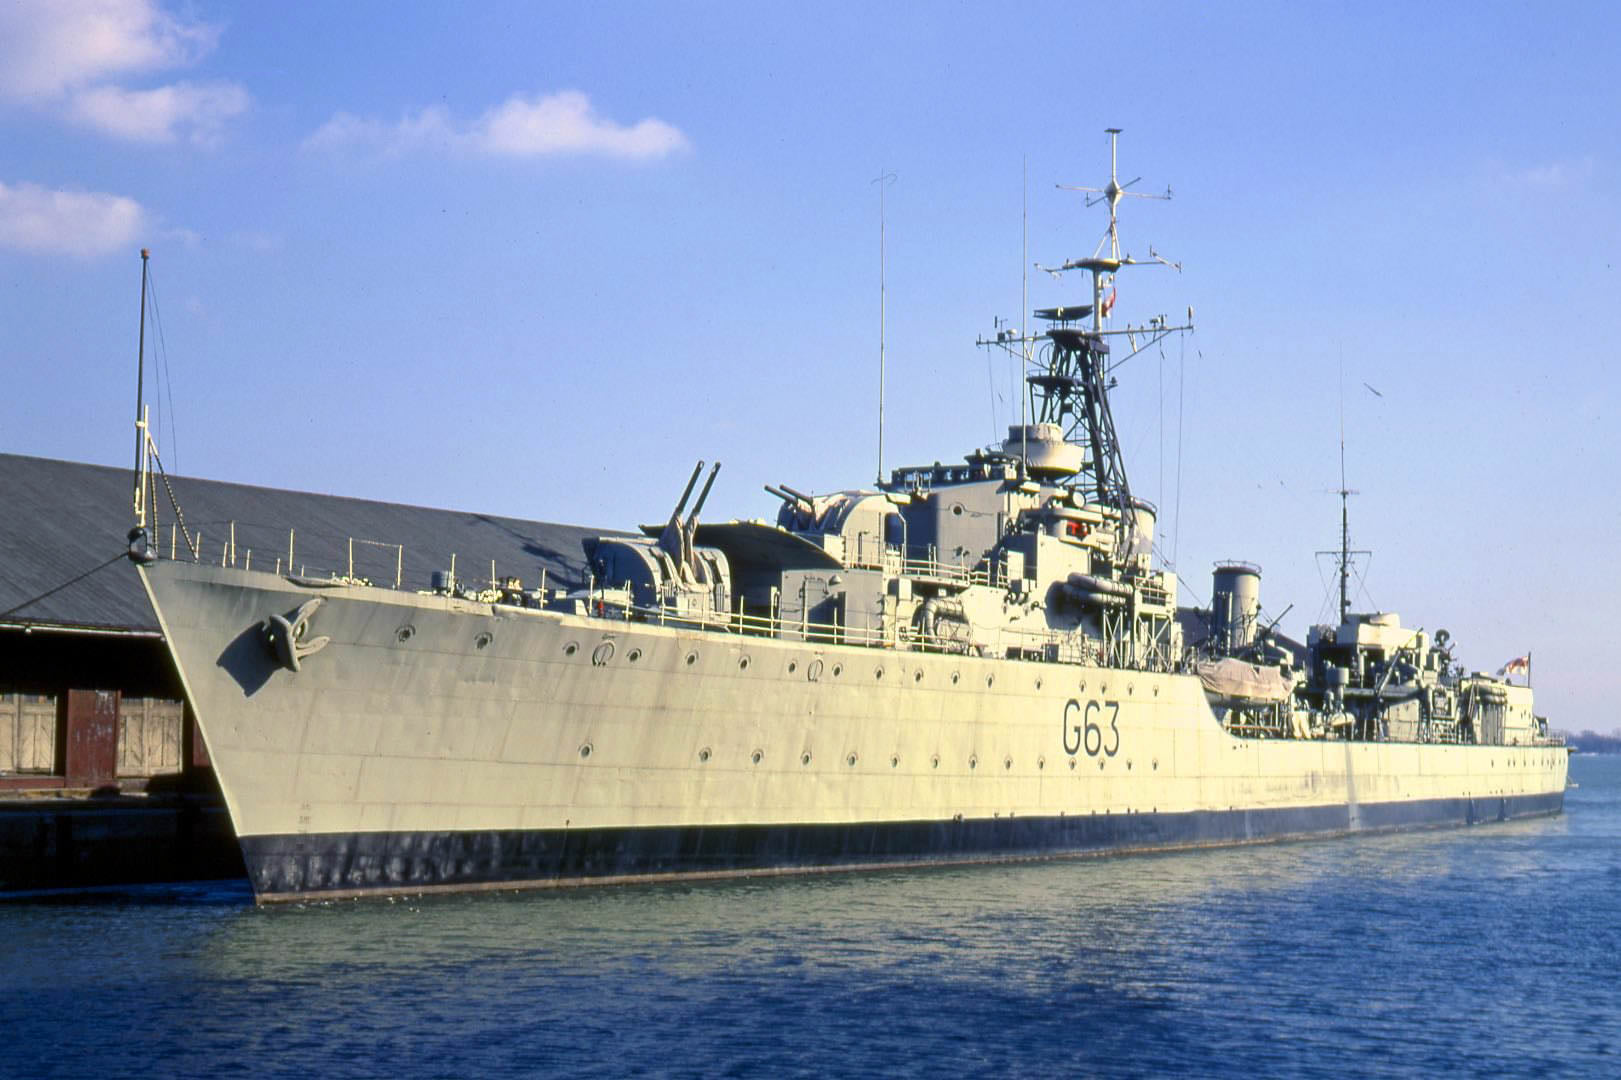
x=353 y=560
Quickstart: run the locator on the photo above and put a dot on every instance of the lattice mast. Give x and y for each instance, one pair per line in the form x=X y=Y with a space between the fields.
x=1072 y=390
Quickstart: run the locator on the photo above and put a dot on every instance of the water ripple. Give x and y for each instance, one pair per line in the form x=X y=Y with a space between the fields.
x=1484 y=952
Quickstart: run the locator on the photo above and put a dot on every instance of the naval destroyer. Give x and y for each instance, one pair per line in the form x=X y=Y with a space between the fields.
x=965 y=662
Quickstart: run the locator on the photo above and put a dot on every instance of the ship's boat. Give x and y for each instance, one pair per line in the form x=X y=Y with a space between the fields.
x=973 y=661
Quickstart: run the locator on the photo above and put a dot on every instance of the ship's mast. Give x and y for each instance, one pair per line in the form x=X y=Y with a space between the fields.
x=1068 y=378
x=1344 y=554
x=1085 y=357
x=1345 y=551
x=1110 y=194
x=1345 y=522
x=883 y=181
x=140 y=402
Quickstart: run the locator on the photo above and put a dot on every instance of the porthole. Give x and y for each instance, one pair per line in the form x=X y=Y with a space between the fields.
x=1083 y=686
x=956 y=509
x=1100 y=764
x=954 y=677
x=878 y=673
x=838 y=669
x=1156 y=764
x=585 y=750
x=934 y=762
x=1129 y=688
x=571 y=648
x=1007 y=763
x=850 y=760
x=692 y=658
x=603 y=653
x=990 y=680
x=405 y=633
x=703 y=755
x=1041 y=762
x=917 y=676
x=742 y=663
x=757 y=757
x=804 y=759
x=1071 y=764
x=634 y=655
x=1156 y=689
x=1038 y=684
x=1103 y=689
x=793 y=666
x=813 y=670
x=483 y=640
x=894 y=761
x=973 y=761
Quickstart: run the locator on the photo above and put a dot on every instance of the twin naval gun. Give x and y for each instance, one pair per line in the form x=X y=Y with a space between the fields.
x=967 y=662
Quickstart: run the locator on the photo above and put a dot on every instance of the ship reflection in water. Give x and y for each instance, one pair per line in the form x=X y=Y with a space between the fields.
x=1479 y=951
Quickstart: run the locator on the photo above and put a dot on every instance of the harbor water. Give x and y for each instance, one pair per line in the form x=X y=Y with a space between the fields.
x=1489 y=951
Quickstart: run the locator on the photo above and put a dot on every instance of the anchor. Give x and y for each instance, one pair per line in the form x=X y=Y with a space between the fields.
x=285 y=635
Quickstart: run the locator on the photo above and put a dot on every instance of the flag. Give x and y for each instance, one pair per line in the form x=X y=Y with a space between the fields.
x=1520 y=665
x=1108 y=303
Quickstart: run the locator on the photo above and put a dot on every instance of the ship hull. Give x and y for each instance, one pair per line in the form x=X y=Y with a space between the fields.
x=309 y=867
x=439 y=744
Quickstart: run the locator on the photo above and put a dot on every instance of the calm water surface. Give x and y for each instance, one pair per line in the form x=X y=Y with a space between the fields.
x=1487 y=951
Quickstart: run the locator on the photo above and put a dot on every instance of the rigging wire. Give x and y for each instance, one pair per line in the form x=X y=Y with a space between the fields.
x=180 y=517
x=990 y=377
x=163 y=362
x=58 y=588
x=1362 y=583
x=1322 y=609
x=1181 y=383
x=1191 y=591
x=1015 y=374
x=1159 y=492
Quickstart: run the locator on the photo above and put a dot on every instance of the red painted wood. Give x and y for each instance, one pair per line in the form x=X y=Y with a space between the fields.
x=91 y=758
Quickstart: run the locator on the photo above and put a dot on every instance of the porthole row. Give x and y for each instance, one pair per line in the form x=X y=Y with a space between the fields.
x=814 y=670
x=852 y=758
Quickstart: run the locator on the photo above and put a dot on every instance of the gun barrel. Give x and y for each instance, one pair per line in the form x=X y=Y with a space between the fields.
x=692 y=480
x=703 y=496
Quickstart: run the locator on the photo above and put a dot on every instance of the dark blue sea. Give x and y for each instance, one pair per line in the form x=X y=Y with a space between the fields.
x=1490 y=951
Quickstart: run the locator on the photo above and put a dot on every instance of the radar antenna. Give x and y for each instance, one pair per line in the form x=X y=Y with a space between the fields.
x=1112 y=194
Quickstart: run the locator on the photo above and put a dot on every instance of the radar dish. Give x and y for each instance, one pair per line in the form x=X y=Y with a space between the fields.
x=1068 y=313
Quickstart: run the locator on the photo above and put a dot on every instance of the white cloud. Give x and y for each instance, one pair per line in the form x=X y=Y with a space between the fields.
x=48 y=47
x=64 y=54
x=428 y=129
x=42 y=221
x=558 y=124
x=161 y=115
x=1553 y=175
x=566 y=123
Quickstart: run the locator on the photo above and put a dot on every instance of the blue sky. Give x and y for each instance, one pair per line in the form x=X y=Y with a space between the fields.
x=537 y=259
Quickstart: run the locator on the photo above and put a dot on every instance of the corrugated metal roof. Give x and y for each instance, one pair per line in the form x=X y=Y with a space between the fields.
x=63 y=523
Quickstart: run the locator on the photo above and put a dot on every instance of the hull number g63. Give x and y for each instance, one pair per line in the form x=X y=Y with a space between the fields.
x=1093 y=727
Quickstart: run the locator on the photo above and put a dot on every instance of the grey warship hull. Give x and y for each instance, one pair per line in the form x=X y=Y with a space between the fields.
x=437 y=743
